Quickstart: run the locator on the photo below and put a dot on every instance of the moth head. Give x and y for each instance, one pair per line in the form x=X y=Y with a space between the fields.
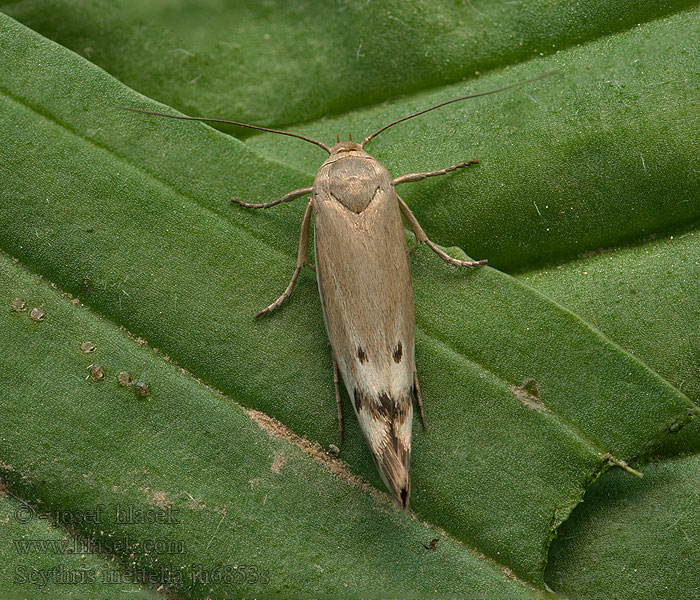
x=349 y=146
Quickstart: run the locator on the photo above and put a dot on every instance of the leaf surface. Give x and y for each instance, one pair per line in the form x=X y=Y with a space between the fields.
x=638 y=537
x=525 y=400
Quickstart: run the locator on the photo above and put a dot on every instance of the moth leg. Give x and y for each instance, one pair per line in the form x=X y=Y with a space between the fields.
x=293 y=195
x=420 y=176
x=422 y=237
x=301 y=261
x=419 y=398
x=336 y=381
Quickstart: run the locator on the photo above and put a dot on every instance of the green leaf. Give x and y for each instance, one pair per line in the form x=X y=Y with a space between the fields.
x=645 y=298
x=234 y=495
x=287 y=62
x=526 y=402
x=639 y=537
x=39 y=558
x=560 y=160
x=597 y=156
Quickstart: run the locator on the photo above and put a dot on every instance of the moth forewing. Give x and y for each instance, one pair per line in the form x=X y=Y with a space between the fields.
x=366 y=292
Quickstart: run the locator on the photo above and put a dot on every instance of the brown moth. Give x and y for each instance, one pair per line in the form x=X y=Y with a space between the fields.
x=364 y=280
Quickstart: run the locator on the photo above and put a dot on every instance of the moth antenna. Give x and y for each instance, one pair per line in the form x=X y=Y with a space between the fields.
x=425 y=110
x=337 y=138
x=289 y=133
x=351 y=137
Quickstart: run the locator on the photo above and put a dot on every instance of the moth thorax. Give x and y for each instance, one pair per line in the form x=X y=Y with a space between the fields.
x=354 y=181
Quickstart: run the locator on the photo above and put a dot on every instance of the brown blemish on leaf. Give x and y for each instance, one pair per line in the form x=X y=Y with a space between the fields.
x=508 y=572
x=335 y=466
x=158 y=498
x=124 y=378
x=141 y=389
x=529 y=394
x=87 y=347
x=433 y=544
x=37 y=314
x=590 y=253
x=19 y=305
x=278 y=462
x=96 y=372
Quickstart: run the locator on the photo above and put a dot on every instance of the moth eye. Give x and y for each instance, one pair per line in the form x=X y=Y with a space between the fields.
x=398 y=352
x=361 y=356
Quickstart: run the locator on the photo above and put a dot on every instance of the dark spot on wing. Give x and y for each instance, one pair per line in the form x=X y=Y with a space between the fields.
x=361 y=356
x=386 y=405
x=398 y=352
x=383 y=406
x=358 y=400
x=390 y=446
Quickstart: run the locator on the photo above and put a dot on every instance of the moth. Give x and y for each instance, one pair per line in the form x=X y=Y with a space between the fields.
x=364 y=280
